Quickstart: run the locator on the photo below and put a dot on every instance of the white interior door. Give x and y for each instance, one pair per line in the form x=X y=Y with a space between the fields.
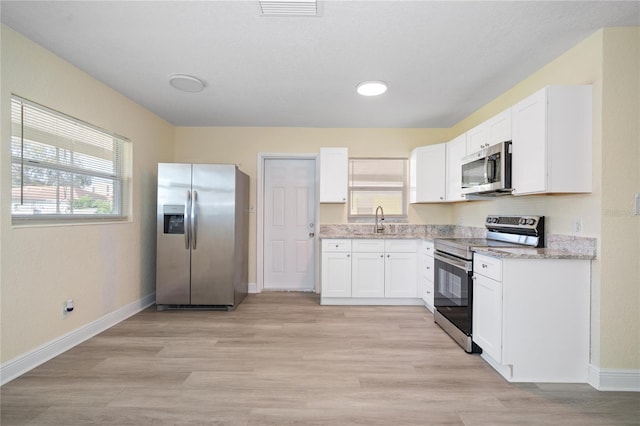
x=289 y=224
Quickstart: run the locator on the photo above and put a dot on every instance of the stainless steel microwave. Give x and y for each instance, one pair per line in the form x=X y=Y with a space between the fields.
x=488 y=171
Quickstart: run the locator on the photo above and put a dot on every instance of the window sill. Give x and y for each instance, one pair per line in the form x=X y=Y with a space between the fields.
x=49 y=223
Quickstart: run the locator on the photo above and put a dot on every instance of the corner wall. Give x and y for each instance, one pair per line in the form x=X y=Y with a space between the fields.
x=103 y=267
x=620 y=272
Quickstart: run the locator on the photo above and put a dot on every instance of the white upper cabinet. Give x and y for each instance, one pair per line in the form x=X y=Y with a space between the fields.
x=477 y=138
x=495 y=130
x=427 y=174
x=499 y=128
x=552 y=141
x=334 y=175
x=456 y=150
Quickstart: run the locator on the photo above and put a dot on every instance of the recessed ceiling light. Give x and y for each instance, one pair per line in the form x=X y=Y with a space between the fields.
x=371 y=88
x=186 y=83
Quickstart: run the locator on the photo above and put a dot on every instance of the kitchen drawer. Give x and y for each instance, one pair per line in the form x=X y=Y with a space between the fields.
x=401 y=246
x=336 y=245
x=426 y=247
x=368 y=246
x=490 y=267
x=428 y=266
x=428 y=289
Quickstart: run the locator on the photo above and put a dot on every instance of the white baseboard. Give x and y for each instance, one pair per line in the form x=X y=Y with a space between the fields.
x=610 y=379
x=372 y=301
x=253 y=288
x=24 y=363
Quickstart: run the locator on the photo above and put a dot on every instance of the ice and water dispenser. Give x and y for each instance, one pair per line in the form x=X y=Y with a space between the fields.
x=173 y=219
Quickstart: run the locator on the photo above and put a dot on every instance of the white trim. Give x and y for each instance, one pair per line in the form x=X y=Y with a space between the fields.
x=18 y=366
x=372 y=301
x=613 y=379
x=262 y=156
x=506 y=371
x=253 y=288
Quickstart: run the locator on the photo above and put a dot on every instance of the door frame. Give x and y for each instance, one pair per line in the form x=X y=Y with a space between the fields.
x=262 y=157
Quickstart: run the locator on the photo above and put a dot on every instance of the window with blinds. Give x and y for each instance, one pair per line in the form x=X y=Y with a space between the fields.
x=65 y=169
x=377 y=182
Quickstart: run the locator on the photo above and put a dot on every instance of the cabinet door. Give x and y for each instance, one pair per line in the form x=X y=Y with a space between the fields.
x=530 y=144
x=456 y=149
x=427 y=174
x=401 y=275
x=336 y=274
x=487 y=316
x=499 y=128
x=367 y=278
x=477 y=138
x=334 y=175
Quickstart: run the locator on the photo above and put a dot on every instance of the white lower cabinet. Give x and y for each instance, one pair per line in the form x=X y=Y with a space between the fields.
x=531 y=317
x=336 y=268
x=425 y=273
x=367 y=276
x=487 y=316
x=400 y=275
x=382 y=272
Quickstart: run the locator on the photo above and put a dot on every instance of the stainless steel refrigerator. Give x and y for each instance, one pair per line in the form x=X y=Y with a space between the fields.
x=202 y=236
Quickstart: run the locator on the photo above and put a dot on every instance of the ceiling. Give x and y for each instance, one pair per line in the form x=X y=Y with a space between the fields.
x=442 y=60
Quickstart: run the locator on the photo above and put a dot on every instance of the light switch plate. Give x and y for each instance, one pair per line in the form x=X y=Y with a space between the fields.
x=576 y=226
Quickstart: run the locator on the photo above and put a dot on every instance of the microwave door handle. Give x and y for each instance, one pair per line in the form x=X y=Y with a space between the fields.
x=486 y=169
x=491 y=171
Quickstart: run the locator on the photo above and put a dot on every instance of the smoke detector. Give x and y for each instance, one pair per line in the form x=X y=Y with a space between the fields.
x=289 y=7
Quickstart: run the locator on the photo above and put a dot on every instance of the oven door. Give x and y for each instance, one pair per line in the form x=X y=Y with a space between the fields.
x=453 y=289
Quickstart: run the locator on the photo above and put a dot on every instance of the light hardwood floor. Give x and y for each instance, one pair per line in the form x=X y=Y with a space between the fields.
x=282 y=359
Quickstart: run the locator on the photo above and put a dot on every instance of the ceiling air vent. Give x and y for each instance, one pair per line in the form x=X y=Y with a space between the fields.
x=289 y=7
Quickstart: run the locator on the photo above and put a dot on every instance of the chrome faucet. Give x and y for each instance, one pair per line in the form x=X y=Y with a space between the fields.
x=379 y=227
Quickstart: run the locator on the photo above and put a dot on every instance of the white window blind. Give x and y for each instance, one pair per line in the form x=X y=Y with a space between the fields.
x=65 y=169
x=377 y=182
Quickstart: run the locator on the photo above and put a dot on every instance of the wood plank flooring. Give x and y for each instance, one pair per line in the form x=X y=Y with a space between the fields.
x=282 y=359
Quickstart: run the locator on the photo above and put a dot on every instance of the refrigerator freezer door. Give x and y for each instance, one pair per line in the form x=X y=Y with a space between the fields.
x=173 y=251
x=212 y=258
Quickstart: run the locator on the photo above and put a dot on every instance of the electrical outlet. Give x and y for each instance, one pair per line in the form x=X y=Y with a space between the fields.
x=637 y=203
x=67 y=307
x=576 y=225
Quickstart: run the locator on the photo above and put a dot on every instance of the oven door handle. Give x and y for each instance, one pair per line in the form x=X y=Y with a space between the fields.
x=465 y=265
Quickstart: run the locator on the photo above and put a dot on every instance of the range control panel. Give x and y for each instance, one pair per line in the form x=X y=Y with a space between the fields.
x=520 y=222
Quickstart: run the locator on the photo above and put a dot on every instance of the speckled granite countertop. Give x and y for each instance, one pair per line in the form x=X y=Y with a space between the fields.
x=557 y=246
x=533 y=253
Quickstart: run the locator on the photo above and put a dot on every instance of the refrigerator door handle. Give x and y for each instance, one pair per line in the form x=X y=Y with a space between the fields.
x=194 y=219
x=187 y=228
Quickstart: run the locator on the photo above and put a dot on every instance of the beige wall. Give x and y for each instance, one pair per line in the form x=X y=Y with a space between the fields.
x=241 y=146
x=102 y=267
x=620 y=271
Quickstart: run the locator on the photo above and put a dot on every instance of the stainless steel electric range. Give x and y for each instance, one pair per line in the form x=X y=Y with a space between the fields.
x=453 y=292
